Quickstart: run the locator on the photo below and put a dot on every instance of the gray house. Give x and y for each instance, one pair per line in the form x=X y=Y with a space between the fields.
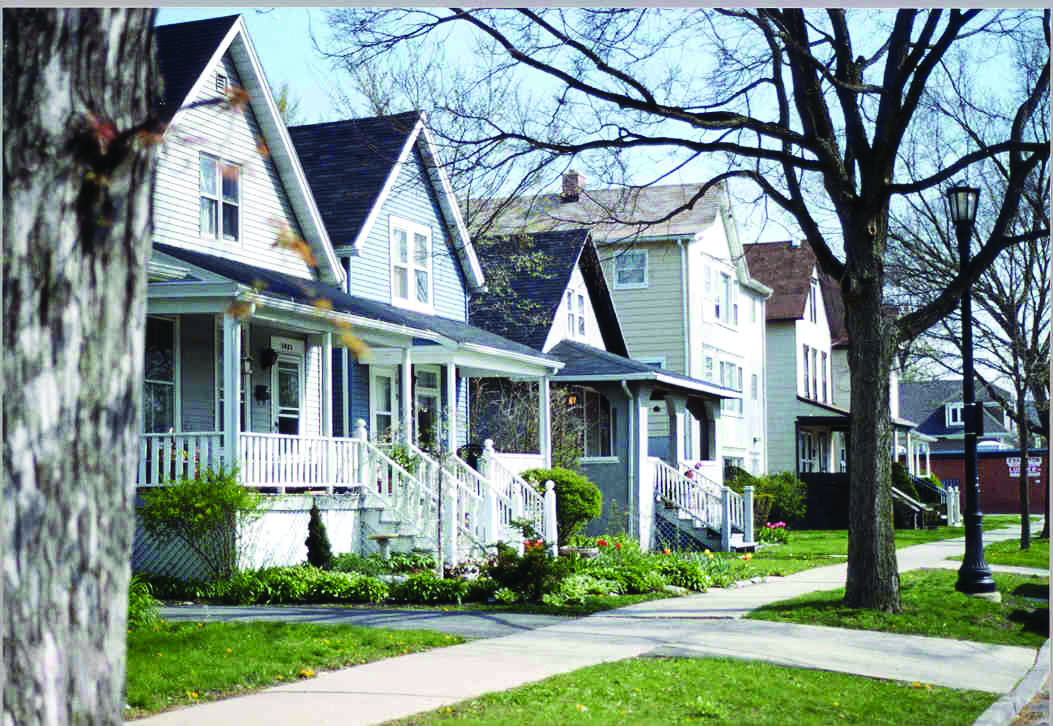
x=572 y=319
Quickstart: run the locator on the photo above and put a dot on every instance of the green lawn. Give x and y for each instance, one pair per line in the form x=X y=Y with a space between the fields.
x=180 y=663
x=665 y=691
x=1008 y=552
x=931 y=606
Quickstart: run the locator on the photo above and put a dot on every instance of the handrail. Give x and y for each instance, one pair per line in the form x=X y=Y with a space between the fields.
x=701 y=499
x=518 y=490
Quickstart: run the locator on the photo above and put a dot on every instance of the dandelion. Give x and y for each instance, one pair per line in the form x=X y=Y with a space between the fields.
x=200 y=625
x=325 y=640
x=229 y=650
x=748 y=556
x=582 y=707
x=709 y=554
x=191 y=694
x=306 y=673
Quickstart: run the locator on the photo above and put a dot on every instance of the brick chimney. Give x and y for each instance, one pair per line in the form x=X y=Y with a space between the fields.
x=573 y=185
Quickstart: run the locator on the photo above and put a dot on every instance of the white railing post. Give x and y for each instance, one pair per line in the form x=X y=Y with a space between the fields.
x=486 y=460
x=725 y=524
x=551 y=534
x=450 y=514
x=747 y=514
x=362 y=436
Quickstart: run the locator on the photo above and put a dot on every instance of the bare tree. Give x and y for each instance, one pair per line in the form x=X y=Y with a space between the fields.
x=79 y=88
x=811 y=109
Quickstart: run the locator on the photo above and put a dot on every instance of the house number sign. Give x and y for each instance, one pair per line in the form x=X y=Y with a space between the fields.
x=287 y=346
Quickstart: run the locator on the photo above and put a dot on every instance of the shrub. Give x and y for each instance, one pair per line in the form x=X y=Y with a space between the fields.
x=366 y=564
x=532 y=575
x=319 y=551
x=578 y=500
x=901 y=480
x=203 y=514
x=142 y=606
x=425 y=588
x=789 y=496
x=415 y=561
x=300 y=584
x=684 y=572
x=481 y=589
x=575 y=588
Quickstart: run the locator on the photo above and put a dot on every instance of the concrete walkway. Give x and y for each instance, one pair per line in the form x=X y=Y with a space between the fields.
x=708 y=624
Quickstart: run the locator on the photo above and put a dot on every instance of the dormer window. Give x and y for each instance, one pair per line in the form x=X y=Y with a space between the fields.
x=220 y=193
x=954 y=414
x=411 y=273
x=575 y=314
x=813 y=301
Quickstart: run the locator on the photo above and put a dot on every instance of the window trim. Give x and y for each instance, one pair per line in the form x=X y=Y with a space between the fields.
x=659 y=361
x=953 y=420
x=411 y=228
x=619 y=258
x=220 y=164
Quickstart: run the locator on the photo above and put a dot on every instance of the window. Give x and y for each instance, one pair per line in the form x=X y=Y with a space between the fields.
x=658 y=361
x=599 y=421
x=159 y=376
x=427 y=411
x=753 y=387
x=734 y=303
x=581 y=315
x=630 y=269
x=709 y=369
x=410 y=264
x=723 y=304
x=954 y=414
x=813 y=300
x=805 y=368
x=575 y=314
x=570 y=313
x=824 y=361
x=220 y=198
x=808 y=453
x=731 y=377
x=815 y=386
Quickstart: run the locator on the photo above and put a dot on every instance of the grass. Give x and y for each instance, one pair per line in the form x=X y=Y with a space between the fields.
x=931 y=606
x=712 y=691
x=176 y=664
x=1008 y=552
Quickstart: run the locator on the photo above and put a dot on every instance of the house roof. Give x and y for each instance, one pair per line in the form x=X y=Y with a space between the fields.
x=277 y=285
x=612 y=214
x=787 y=269
x=541 y=292
x=186 y=51
x=924 y=401
x=353 y=165
x=584 y=363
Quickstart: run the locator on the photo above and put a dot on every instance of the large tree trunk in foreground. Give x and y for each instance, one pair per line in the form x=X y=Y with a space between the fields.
x=76 y=224
x=873 y=573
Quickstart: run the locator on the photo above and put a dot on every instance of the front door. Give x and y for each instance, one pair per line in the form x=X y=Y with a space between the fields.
x=287 y=382
x=427 y=395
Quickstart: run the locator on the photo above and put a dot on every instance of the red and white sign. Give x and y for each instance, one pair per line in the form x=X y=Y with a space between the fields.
x=1034 y=466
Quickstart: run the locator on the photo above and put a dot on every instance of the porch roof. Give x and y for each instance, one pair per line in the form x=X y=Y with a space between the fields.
x=276 y=285
x=839 y=418
x=584 y=363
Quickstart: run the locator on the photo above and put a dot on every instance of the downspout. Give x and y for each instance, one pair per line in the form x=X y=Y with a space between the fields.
x=631 y=479
x=689 y=431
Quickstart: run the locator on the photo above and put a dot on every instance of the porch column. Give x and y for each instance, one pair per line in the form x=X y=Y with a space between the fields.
x=544 y=422
x=451 y=407
x=246 y=378
x=912 y=466
x=406 y=426
x=231 y=388
x=643 y=516
x=327 y=384
x=928 y=464
x=675 y=406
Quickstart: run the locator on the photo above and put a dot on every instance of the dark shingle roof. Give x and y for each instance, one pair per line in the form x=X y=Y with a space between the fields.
x=785 y=268
x=183 y=50
x=542 y=293
x=923 y=401
x=276 y=284
x=347 y=163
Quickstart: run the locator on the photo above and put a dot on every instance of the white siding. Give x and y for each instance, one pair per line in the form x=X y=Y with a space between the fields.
x=560 y=330
x=232 y=136
x=782 y=395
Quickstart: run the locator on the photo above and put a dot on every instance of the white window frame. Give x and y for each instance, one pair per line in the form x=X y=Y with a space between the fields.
x=621 y=265
x=824 y=362
x=420 y=390
x=813 y=300
x=575 y=302
x=376 y=372
x=805 y=368
x=411 y=266
x=221 y=202
x=955 y=414
x=177 y=408
x=654 y=360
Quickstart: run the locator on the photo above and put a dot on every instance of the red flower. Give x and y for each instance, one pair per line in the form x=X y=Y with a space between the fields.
x=601 y=543
x=617 y=545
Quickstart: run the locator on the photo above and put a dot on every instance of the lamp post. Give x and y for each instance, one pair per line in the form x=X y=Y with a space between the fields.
x=974 y=576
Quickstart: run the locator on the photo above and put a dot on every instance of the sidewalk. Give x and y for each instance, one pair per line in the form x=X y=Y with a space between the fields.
x=708 y=624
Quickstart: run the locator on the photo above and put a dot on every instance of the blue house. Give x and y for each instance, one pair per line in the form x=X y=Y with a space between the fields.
x=307 y=317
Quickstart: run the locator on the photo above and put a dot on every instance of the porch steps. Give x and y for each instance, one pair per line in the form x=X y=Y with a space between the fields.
x=693 y=533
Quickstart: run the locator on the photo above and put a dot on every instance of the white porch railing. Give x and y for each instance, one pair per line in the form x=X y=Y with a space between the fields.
x=525 y=502
x=167 y=458
x=717 y=506
x=284 y=460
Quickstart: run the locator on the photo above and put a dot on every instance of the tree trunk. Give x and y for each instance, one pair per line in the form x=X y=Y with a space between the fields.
x=873 y=574
x=76 y=225
x=1025 y=484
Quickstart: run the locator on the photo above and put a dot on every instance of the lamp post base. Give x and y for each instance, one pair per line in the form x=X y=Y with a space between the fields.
x=976 y=581
x=989 y=596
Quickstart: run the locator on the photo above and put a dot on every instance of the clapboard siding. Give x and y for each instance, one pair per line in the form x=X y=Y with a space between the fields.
x=782 y=395
x=233 y=136
x=411 y=198
x=197 y=341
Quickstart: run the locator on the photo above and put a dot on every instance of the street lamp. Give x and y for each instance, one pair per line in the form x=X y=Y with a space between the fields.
x=974 y=576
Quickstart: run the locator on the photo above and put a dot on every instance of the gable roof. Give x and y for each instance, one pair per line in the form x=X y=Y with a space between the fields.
x=353 y=165
x=787 y=269
x=186 y=52
x=613 y=215
x=272 y=284
x=924 y=401
x=543 y=293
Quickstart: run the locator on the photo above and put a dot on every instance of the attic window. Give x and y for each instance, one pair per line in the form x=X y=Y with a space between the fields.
x=221 y=82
